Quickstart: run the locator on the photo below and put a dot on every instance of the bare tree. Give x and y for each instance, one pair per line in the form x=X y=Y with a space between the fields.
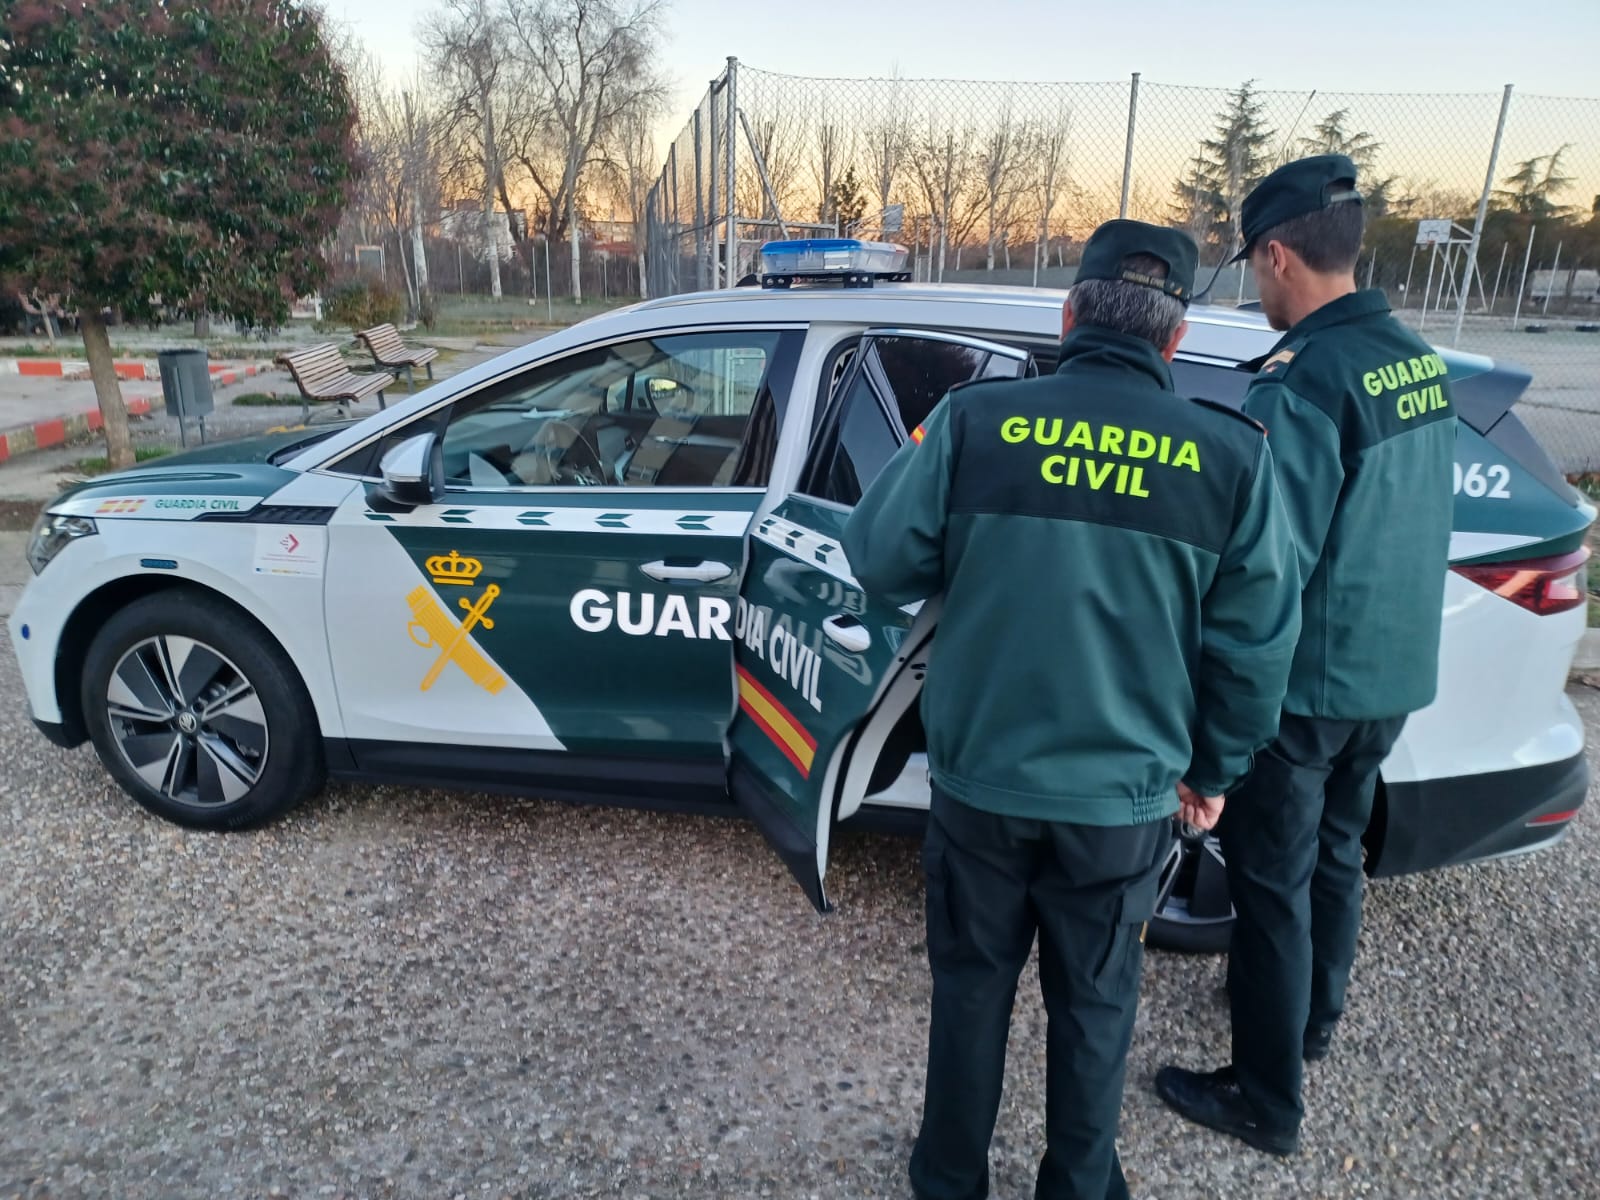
x=630 y=160
x=399 y=193
x=941 y=160
x=587 y=65
x=887 y=142
x=1050 y=149
x=467 y=41
x=1004 y=151
x=779 y=140
x=828 y=153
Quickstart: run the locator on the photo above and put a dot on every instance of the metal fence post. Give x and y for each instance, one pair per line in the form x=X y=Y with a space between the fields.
x=1555 y=269
x=1516 y=313
x=731 y=127
x=713 y=188
x=761 y=170
x=1127 y=156
x=1483 y=208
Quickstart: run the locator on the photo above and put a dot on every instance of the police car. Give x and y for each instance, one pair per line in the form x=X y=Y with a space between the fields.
x=606 y=565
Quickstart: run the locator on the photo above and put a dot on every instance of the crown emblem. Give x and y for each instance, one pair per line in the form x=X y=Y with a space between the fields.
x=454 y=569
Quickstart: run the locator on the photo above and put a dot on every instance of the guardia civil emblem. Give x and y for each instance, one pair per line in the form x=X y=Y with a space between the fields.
x=433 y=627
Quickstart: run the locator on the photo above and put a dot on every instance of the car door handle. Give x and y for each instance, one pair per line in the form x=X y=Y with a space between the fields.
x=687 y=572
x=848 y=632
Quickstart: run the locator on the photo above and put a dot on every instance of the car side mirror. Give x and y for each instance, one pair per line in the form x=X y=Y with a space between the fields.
x=413 y=475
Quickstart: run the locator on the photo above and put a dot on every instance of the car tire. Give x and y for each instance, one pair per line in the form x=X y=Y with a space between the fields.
x=1193 y=912
x=199 y=714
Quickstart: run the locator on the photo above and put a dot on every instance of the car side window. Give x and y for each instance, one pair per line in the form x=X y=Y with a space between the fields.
x=897 y=383
x=920 y=371
x=855 y=446
x=679 y=410
x=1210 y=381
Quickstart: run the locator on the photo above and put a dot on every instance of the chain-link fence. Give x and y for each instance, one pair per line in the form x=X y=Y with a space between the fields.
x=1484 y=210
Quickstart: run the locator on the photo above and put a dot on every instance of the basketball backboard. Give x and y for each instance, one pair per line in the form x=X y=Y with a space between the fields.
x=1433 y=232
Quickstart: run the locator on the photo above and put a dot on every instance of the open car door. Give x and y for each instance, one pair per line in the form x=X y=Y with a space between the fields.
x=823 y=671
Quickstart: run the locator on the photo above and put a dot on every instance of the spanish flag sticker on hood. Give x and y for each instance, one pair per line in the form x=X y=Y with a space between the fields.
x=918 y=434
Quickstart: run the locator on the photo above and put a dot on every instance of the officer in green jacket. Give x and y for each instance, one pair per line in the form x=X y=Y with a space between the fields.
x=1359 y=416
x=1120 y=611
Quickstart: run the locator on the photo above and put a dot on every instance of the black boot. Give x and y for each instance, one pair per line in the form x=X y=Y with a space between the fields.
x=1213 y=1099
x=1318 y=1041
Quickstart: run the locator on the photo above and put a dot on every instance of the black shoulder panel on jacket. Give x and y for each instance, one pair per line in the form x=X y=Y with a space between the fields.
x=1237 y=414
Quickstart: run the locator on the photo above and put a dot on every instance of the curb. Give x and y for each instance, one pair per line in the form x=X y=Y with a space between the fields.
x=138 y=370
x=42 y=435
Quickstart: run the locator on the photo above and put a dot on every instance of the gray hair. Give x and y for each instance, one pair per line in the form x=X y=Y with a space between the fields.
x=1132 y=308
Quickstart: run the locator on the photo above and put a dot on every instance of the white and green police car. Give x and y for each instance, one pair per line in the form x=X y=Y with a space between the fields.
x=606 y=565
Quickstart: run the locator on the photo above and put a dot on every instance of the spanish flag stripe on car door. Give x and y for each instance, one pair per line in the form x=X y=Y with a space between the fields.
x=777 y=722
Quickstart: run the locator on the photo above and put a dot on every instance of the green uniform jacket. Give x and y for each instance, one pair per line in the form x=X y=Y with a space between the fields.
x=1121 y=603
x=1363 y=438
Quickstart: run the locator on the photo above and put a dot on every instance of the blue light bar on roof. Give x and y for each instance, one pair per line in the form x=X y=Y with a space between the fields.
x=846 y=260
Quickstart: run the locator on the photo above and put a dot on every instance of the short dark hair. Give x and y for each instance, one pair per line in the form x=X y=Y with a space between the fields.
x=1326 y=240
x=1126 y=307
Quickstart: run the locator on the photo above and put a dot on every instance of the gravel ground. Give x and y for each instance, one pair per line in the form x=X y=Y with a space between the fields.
x=398 y=993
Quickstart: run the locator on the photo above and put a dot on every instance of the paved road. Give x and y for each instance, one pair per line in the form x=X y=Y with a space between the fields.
x=398 y=993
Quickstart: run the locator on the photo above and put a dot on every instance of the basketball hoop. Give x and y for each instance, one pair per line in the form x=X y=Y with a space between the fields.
x=1432 y=233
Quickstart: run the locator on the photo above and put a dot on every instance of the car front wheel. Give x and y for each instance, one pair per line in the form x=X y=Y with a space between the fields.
x=199 y=715
x=1193 y=910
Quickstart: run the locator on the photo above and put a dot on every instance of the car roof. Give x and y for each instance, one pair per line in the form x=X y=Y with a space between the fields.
x=1219 y=334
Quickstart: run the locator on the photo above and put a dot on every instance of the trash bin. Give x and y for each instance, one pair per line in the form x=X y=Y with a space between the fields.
x=186 y=387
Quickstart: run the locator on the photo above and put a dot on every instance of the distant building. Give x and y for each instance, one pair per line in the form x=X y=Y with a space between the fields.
x=613 y=234
x=1583 y=285
x=464 y=222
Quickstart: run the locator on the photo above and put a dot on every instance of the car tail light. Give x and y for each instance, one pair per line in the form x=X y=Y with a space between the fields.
x=1555 y=818
x=1543 y=586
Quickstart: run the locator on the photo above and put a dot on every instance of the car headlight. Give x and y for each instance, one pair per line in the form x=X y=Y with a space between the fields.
x=52 y=533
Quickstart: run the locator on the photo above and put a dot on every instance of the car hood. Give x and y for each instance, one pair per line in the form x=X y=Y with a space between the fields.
x=271 y=447
x=174 y=491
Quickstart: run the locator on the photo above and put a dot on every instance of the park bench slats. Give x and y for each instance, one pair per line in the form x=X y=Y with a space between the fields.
x=321 y=375
x=389 y=352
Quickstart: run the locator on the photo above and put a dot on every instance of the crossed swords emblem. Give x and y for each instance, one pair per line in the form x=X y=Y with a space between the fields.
x=432 y=627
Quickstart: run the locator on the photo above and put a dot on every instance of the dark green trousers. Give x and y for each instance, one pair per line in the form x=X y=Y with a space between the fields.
x=1291 y=835
x=1087 y=891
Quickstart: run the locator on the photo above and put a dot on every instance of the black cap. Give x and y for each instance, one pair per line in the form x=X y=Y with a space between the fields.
x=1110 y=245
x=1304 y=186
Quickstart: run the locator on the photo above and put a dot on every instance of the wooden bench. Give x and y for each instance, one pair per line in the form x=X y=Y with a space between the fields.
x=390 y=353
x=320 y=374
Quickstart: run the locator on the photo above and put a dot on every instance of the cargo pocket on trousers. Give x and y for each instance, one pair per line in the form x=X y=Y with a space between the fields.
x=1125 y=946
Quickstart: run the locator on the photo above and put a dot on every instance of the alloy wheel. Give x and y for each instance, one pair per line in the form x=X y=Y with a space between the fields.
x=1193 y=887
x=187 y=721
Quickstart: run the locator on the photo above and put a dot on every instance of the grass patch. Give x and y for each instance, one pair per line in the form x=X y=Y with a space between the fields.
x=266 y=400
x=99 y=464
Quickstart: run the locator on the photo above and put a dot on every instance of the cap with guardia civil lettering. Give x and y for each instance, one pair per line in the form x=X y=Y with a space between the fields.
x=1108 y=248
x=1304 y=186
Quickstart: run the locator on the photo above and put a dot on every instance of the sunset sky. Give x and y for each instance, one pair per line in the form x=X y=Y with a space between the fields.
x=1357 y=45
x=1439 y=68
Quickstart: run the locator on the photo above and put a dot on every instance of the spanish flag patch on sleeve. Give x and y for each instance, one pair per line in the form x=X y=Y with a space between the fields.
x=918 y=434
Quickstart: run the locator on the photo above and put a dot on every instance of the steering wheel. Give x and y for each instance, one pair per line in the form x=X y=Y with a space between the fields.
x=592 y=473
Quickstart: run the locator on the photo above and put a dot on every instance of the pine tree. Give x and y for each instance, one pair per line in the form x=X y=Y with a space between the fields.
x=1230 y=162
x=1533 y=187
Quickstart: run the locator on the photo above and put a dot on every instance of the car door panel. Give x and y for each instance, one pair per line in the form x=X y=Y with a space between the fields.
x=564 y=595
x=815 y=654
x=564 y=627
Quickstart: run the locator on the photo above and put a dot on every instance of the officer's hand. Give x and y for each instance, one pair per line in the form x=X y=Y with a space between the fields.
x=1203 y=812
